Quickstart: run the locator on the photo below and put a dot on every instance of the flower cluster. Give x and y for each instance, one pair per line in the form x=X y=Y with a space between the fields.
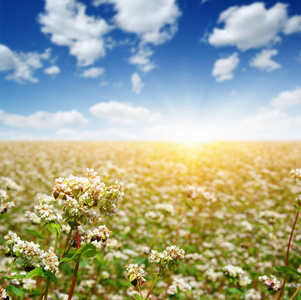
x=198 y=192
x=80 y=194
x=30 y=253
x=7 y=183
x=102 y=233
x=46 y=213
x=296 y=174
x=27 y=284
x=252 y=294
x=194 y=256
x=45 y=199
x=178 y=283
x=4 y=296
x=135 y=274
x=272 y=283
x=4 y=203
x=169 y=257
x=238 y=274
x=33 y=217
x=170 y=253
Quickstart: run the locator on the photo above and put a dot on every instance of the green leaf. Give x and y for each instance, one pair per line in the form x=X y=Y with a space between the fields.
x=50 y=229
x=35 y=272
x=43 y=273
x=14 y=277
x=138 y=297
x=50 y=275
x=234 y=291
x=34 y=232
x=56 y=227
x=72 y=224
x=15 y=290
x=87 y=251
x=288 y=270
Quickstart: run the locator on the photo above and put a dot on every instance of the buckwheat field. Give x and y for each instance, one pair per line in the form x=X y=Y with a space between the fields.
x=145 y=220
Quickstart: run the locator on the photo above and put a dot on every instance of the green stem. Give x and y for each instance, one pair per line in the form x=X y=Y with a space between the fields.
x=56 y=241
x=47 y=287
x=74 y=278
x=287 y=254
x=154 y=283
x=43 y=293
x=66 y=242
x=179 y=226
x=77 y=263
x=139 y=290
x=10 y=269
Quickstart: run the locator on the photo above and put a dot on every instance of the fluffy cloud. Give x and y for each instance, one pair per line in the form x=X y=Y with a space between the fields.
x=123 y=113
x=43 y=119
x=137 y=83
x=21 y=66
x=264 y=62
x=287 y=99
x=154 y=22
x=224 y=67
x=68 y=25
x=142 y=59
x=270 y=121
x=253 y=26
x=293 y=25
x=53 y=70
x=93 y=72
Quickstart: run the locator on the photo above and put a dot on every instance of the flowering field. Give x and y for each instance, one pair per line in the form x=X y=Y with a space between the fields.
x=206 y=221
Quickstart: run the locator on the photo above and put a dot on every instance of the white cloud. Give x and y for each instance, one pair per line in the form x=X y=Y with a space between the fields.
x=43 y=119
x=68 y=25
x=21 y=66
x=264 y=62
x=293 y=25
x=154 y=22
x=105 y=134
x=137 y=83
x=123 y=113
x=93 y=72
x=224 y=67
x=287 y=99
x=253 y=26
x=271 y=121
x=66 y=132
x=52 y=70
x=142 y=59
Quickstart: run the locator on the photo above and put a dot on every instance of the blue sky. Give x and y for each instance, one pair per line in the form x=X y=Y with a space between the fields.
x=150 y=70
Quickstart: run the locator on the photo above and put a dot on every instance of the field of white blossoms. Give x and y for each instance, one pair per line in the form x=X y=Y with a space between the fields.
x=142 y=220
